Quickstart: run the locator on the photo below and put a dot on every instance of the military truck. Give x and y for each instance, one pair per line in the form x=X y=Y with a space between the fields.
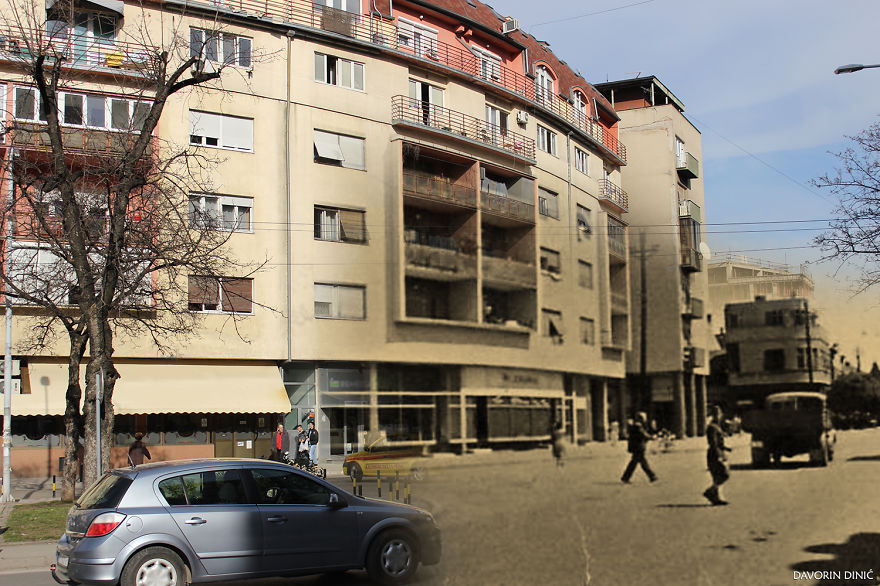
x=790 y=424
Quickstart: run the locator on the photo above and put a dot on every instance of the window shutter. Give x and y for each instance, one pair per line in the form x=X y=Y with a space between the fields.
x=238 y=133
x=327 y=145
x=237 y=295
x=352 y=152
x=203 y=290
x=204 y=124
x=352 y=225
x=320 y=67
x=358 y=76
x=323 y=300
x=351 y=302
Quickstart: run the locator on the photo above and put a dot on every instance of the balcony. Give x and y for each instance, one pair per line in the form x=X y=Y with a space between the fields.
x=619 y=303
x=610 y=192
x=506 y=274
x=617 y=247
x=691 y=260
x=433 y=187
x=689 y=209
x=424 y=115
x=507 y=207
x=77 y=51
x=693 y=309
x=84 y=141
x=688 y=167
x=441 y=264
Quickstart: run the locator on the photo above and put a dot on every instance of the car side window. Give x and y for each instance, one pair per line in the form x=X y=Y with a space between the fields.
x=279 y=487
x=211 y=487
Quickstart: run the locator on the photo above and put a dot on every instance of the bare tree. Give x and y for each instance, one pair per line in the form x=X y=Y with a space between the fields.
x=854 y=234
x=100 y=234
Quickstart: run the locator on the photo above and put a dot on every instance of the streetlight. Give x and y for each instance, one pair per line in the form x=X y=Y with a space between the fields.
x=853 y=67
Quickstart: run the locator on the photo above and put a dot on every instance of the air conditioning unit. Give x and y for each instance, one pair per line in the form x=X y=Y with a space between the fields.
x=522 y=117
x=510 y=25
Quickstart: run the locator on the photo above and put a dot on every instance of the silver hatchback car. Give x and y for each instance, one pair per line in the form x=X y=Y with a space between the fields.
x=172 y=523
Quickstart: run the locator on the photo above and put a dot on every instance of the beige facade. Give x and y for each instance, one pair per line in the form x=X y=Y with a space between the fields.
x=444 y=245
x=670 y=334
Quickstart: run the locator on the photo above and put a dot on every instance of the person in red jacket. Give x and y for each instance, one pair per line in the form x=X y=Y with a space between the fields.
x=280 y=443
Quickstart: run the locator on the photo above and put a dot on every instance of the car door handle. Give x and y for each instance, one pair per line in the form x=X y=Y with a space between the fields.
x=277 y=519
x=195 y=521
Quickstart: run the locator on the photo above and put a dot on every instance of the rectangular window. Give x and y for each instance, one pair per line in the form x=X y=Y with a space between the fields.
x=546 y=140
x=220 y=47
x=339 y=225
x=221 y=294
x=733 y=357
x=221 y=212
x=339 y=149
x=585 y=274
x=548 y=203
x=490 y=64
x=774 y=360
x=581 y=161
x=27 y=104
x=583 y=220
x=588 y=331
x=680 y=157
x=551 y=325
x=418 y=38
x=498 y=119
x=337 y=71
x=550 y=261
x=340 y=301
x=73 y=109
x=774 y=318
x=801 y=357
x=222 y=131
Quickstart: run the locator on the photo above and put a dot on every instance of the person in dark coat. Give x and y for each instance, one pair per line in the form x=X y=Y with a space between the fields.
x=716 y=458
x=637 y=446
x=558 y=444
x=137 y=451
x=312 y=435
x=280 y=443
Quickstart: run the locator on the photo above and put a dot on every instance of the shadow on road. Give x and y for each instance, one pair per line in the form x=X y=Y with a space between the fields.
x=685 y=506
x=779 y=466
x=864 y=458
x=851 y=564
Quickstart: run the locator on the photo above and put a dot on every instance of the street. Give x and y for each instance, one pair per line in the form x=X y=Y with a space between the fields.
x=522 y=520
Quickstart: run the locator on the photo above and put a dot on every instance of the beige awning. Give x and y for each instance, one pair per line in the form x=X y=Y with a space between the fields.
x=164 y=387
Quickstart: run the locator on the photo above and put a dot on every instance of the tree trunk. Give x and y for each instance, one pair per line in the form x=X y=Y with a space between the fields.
x=72 y=418
x=92 y=474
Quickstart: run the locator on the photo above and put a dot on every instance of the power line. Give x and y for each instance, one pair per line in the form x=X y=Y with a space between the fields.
x=591 y=13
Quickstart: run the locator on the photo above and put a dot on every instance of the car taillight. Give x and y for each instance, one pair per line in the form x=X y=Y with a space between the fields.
x=104 y=524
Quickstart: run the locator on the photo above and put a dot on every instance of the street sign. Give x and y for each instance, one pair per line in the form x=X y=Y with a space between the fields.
x=16 y=367
x=16 y=387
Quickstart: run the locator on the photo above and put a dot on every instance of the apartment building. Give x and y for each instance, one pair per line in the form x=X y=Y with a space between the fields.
x=774 y=345
x=435 y=197
x=668 y=365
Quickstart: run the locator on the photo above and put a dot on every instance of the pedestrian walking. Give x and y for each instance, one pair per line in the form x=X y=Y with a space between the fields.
x=558 y=444
x=313 y=443
x=716 y=459
x=637 y=445
x=280 y=443
x=137 y=451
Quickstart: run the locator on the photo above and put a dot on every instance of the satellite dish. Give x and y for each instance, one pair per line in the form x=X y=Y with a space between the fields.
x=704 y=250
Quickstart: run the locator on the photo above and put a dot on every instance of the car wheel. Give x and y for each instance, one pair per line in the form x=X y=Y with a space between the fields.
x=392 y=558
x=418 y=473
x=154 y=566
x=355 y=472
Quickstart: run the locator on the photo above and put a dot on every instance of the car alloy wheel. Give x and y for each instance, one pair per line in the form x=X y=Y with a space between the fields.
x=397 y=557
x=393 y=558
x=156 y=572
x=154 y=566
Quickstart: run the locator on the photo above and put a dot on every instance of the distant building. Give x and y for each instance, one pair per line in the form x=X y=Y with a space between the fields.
x=773 y=346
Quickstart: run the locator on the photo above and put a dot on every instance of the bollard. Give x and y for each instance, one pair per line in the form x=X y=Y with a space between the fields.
x=397 y=486
x=390 y=490
x=360 y=489
x=406 y=492
x=53 y=486
x=379 y=483
x=354 y=486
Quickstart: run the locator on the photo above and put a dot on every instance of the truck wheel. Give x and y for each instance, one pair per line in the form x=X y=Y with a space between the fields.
x=760 y=458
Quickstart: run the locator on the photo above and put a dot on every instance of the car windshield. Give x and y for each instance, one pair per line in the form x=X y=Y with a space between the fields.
x=106 y=494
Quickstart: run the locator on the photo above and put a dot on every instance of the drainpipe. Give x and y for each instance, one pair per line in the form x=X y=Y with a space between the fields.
x=568 y=156
x=287 y=172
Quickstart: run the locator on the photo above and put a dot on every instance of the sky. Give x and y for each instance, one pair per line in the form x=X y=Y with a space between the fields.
x=757 y=79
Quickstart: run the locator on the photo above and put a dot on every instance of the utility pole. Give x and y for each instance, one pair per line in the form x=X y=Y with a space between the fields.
x=644 y=389
x=809 y=341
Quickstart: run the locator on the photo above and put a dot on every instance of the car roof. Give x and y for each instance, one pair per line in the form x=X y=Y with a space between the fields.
x=156 y=468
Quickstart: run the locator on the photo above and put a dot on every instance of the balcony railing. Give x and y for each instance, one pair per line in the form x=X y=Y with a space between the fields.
x=421 y=113
x=693 y=309
x=688 y=167
x=613 y=193
x=502 y=271
x=78 y=51
x=429 y=186
x=508 y=207
x=617 y=246
x=87 y=141
x=691 y=260
x=442 y=261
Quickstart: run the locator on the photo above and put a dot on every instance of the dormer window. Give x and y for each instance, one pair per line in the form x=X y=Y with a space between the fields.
x=543 y=84
x=580 y=104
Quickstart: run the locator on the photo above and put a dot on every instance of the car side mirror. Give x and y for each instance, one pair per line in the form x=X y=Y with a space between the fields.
x=336 y=502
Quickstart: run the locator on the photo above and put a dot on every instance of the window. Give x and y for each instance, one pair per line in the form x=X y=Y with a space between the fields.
x=551 y=325
x=277 y=487
x=221 y=212
x=497 y=118
x=583 y=220
x=339 y=149
x=546 y=140
x=347 y=5
x=490 y=64
x=580 y=105
x=89 y=110
x=337 y=71
x=774 y=360
x=418 y=38
x=588 y=331
x=550 y=261
x=801 y=357
x=220 y=294
x=221 y=131
x=543 y=84
x=548 y=203
x=680 y=157
x=774 y=318
x=428 y=98
x=339 y=225
x=220 y=47
x=340 y=301
x=581 y=161
x=211 y=488
x=585 y=274
x=93 y=35
x=733 y=357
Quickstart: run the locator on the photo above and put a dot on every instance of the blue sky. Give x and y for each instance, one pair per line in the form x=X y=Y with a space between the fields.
x=756 y=77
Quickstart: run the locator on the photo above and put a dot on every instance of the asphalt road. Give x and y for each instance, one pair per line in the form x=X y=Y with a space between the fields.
x=528 y=522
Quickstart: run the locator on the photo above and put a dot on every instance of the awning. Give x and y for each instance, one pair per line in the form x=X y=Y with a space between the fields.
x=116 y=6
x=164 y=387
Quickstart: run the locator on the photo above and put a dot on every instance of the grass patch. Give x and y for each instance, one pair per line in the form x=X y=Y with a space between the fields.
x=36 y=521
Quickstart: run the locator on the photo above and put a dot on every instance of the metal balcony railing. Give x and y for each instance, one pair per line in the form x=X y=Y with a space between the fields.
x=511 y=273
x=78 y=51
x=85 y=141
x=691 y=260
x=693 y=309
x=617 y=246
x=429 y=186
x=613 y=193
x=508 y=207
x=425 y=114
x=430 y=259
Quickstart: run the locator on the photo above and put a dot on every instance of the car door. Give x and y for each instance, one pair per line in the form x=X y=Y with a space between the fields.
x=301 y=530
x=212 y=511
